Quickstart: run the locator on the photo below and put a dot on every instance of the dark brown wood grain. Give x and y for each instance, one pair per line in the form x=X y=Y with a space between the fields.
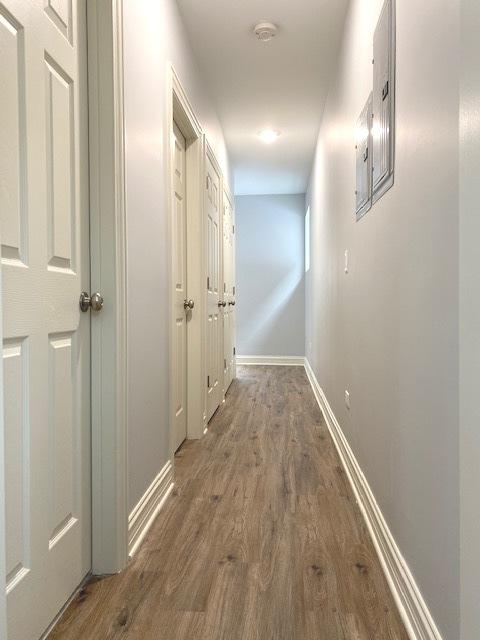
x=261 y=538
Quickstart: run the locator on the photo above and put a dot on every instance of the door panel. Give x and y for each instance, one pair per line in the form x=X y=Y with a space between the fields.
x=60 y=166
x=13 y=166
x=212 y=207
x=45 y=265
x=16 y=439
x=180 y=285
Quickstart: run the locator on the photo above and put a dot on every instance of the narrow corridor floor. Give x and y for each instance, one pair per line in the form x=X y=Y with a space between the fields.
x=261 y=538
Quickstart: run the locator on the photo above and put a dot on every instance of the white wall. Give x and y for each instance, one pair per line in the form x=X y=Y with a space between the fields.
x=153 y=35
x=388 y=330
x=270 y=275
x=470 y=320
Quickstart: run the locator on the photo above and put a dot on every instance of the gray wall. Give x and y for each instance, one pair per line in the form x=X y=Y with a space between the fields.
x=153 y=35
x=388 y=330
x=270 y=275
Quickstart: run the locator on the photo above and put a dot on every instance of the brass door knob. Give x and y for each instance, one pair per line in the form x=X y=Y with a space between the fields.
x=188 y=304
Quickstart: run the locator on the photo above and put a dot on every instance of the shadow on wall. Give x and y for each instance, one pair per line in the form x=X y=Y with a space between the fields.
x=267 y=309
x=270 y=275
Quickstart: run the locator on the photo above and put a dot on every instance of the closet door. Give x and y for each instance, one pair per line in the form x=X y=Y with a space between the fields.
x=181 y=308
x=228 y=292
x=214 y=300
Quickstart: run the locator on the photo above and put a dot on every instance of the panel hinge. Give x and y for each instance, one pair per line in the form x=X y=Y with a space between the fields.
x=233 y=228
x=208 y=283
x=208 y=382
x=233 y=350
x=233 y=290
x=224 y=363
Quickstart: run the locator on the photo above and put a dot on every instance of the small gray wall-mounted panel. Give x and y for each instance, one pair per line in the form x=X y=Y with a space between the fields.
x=363 y=191
x=383 y=130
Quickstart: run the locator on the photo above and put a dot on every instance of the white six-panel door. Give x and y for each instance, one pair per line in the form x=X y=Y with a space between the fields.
x=179 y=221
x=45 y=266
x=214 y=336
x=228 y=292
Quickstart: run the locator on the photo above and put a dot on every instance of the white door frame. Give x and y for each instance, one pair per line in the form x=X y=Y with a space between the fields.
x=108 y=332
x=108 y=275
x=180 y=110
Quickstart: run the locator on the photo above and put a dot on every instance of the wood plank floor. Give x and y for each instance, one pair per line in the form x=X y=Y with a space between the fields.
x=260 y=540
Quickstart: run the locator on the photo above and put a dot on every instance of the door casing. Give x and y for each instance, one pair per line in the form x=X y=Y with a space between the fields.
x=108 y=275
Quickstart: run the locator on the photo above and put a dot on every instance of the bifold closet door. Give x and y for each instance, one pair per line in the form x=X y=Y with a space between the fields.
x=228 y=292
x=214 y=301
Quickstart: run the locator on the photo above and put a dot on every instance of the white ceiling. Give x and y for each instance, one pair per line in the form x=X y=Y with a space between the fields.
x=280 y=84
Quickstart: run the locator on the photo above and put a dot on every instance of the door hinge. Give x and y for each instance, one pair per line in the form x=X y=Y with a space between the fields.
x=208 y=382
x=233 y=229
x=233 y=350
x=208 y=283
x=224 y=363
x=385 y=90
x=224 y=287
x=233 y=290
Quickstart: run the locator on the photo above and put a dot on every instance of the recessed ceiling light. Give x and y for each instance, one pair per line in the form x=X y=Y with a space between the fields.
x=268 y=135
x=265 y=31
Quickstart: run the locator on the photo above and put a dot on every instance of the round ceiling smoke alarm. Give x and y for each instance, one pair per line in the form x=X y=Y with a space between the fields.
x=265 y=31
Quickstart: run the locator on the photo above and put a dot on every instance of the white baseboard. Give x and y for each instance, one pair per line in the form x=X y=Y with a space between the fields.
x=144 y=513
x=413 y=608
x=297 y=361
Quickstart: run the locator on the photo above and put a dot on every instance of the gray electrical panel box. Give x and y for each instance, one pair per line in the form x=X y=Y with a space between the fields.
x=363 y=160
x=383 y=122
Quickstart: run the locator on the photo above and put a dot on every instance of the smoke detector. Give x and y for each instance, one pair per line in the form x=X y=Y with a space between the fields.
x=265 y=31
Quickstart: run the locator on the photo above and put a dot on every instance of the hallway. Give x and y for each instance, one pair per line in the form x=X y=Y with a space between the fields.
x=261 y=538
x=239 y=320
